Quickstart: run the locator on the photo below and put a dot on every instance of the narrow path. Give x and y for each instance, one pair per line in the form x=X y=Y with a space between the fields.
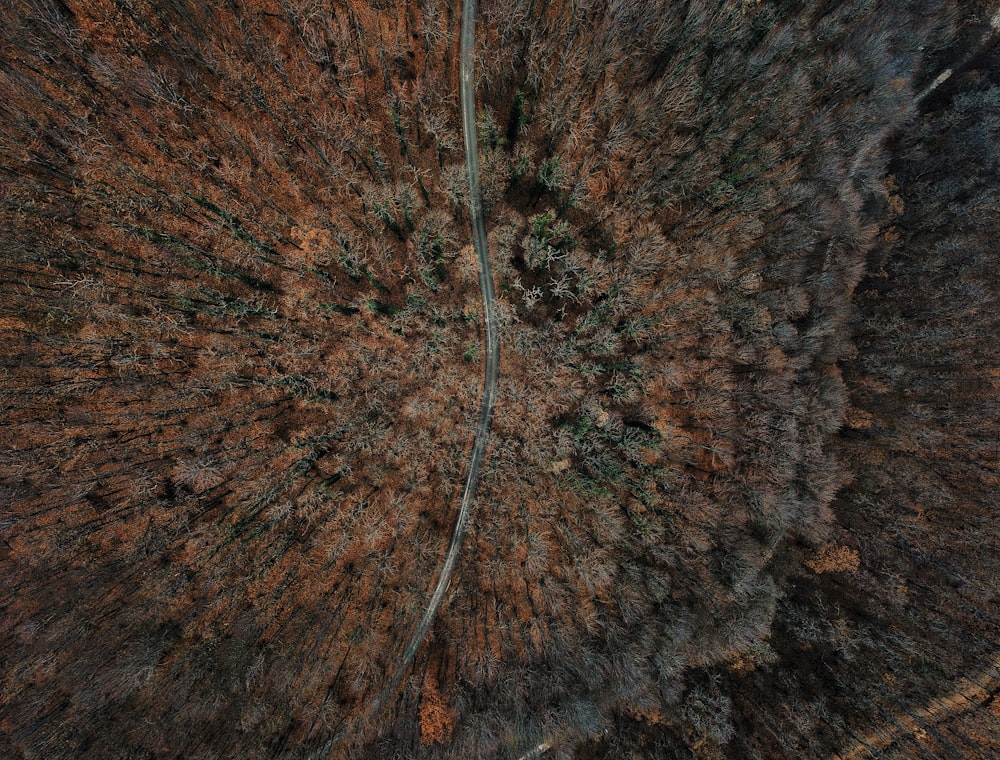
x=492 y=369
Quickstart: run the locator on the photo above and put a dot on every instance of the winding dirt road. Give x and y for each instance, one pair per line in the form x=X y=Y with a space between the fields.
x=492 y=368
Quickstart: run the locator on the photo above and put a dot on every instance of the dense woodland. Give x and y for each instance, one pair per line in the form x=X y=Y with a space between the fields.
x=740 y=498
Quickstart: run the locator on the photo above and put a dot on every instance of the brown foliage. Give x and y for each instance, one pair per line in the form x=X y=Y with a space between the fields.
x=240 y=375
x=833 y=559
x=437 y=719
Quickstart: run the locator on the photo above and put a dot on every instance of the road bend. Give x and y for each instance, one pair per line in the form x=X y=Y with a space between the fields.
x=467 y=95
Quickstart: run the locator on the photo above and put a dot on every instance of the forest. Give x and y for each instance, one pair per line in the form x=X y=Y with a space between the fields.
x=740 y=494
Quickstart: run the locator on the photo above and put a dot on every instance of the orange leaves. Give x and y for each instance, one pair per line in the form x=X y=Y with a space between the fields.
x=437 y=718
x=11 y=325
x=834 y=559
x=314 y=243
